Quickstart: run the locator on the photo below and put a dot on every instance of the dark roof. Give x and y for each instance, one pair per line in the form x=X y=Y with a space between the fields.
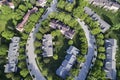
x=65 y=30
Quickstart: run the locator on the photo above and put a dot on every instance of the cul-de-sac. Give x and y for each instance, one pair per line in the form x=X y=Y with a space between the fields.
x=59 y=39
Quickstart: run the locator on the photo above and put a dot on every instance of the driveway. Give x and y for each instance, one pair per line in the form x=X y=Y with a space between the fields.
x=91 y=52
x=31 y=63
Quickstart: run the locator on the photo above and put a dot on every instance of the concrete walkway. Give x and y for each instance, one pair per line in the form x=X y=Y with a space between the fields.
x=31 y=63
x=91 y=52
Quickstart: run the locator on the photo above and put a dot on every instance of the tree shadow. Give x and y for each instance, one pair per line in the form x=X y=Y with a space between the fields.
x=107 y=19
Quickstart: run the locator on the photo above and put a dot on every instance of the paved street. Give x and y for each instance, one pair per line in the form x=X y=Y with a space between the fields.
x=32 y=66
x=91 y=52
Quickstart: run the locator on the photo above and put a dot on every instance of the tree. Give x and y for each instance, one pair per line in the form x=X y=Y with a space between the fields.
x=52 y=15
x=7 y=34
x=42 y=30
x=38 y=51
x=91 y=78
x=69 y=7
x=70 y=42
x=101 y=56
x=21 y=50
x=24 y=36
x=61 y=4
x=21 y=57
x=38 y=36
x=22 y=64
x=53 y=33
x=69 y=78
x=29 y=5
x=33 y=2
x=3 y=50
x=99 y=63
x=22 y=43
x=24 y=72
x=28 y=77
x=55 y=57
x=82 y=39
x=100 y=42
x=58 y=33
x=80 y=59
x=46 y=60
x=37 y=44
x=45 y=71
x=100 y=36
x=22 y=7
x=16 y=77
x=9 y=75
x=49 y=77
x=74 y=72
x=101 y=49
x=95 y=31
x=116 y=27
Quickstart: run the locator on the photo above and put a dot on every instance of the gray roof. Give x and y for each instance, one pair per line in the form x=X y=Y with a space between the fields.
x=61 y=71
x=47 y=45
x=10 y=68
x=12 y=55
x=67 y=64
x=71 y=1
x=105 y=4
x=88 y=11
x=65 y=67
x=15 y=39
x=103 y=25
x=73 y=50
x=110 y=64
x=42 y=2
x=13 y=49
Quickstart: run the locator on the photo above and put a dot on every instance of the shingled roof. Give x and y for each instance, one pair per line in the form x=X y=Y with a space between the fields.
x=12 y=55
x=42 y=3
x=65 y=30
x=47 y=45
x=20 y=26
x=110 y=61
x=7 y=2
x=103 y=25
x=69 y=61
x=107 y=4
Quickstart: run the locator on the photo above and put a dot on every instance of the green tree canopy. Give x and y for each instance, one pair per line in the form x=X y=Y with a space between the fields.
x=37 y=44
x=7 y=34
x=3 y=50
x=70 y=42
x=24 y=72
x=38 y=36
x=22 y=64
